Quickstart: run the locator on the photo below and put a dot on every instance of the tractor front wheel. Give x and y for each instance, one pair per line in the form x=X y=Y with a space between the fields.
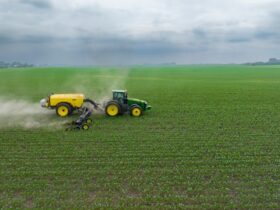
x=112 y=109
x=63 y=109
x=136 y=111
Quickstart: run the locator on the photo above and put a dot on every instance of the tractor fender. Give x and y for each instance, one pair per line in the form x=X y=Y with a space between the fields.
x=135 y=105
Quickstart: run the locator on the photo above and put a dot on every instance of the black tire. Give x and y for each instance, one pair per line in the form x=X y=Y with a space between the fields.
x=68 y=109
x=112 y=109
x=136 y=110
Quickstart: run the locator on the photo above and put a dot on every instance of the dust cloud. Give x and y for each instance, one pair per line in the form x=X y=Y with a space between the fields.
x=99 y=86
x=25 y=114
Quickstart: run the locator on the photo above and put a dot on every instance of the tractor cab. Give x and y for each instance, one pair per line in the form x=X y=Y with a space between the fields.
x=120 y=96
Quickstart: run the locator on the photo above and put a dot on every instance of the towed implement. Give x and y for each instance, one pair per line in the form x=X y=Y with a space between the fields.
x=83 y=122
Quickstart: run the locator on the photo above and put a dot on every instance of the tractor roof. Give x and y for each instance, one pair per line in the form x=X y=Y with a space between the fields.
x=119 y=91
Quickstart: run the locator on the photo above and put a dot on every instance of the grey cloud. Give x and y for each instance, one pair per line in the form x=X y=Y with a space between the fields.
x=200 y=33
x=6 y=39
x=37 y=39
x=94 y=50
x=264 y=35
x=39 y=31
x=38 y=4
x=270 y=30
x=27 y=39
x=238 y=39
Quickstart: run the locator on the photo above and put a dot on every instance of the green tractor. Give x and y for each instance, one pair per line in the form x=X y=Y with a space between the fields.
x=121 y=104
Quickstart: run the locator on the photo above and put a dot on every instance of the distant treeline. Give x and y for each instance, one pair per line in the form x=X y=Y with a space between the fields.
x=271 y=61
x=14 y=64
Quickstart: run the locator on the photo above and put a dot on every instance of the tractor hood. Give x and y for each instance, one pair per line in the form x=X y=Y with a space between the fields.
x=144 y=104
x=137 y=100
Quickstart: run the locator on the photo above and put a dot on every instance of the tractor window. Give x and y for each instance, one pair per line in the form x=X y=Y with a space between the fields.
x=118 y=96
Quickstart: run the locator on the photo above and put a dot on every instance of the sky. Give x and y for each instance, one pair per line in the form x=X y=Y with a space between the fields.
x=129 y=32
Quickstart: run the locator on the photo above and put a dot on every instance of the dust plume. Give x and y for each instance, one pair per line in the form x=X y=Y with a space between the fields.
x=25 y=114
x=99 y=85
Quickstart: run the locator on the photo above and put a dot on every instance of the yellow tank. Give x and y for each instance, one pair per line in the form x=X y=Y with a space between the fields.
x=75 y=100
x=64 y=104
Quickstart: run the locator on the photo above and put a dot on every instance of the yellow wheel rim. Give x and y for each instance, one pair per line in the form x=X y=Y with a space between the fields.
x=85 y=127
x=136 y=112
x=112 y=110
x=62 y=111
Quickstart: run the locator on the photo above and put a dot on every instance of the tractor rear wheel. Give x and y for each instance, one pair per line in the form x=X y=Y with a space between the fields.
x=112 y=109
x=63 y=109
x=136 y=111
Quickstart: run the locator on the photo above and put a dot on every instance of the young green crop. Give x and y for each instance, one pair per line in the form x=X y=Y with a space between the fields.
x=210 y=141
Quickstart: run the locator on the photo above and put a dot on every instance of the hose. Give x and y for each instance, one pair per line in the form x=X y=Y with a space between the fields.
x=91 y=102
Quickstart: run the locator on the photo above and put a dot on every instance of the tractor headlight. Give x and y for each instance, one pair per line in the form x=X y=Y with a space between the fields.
x=43 y=102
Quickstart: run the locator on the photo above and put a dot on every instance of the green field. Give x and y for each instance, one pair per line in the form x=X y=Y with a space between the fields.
x=211 y=140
